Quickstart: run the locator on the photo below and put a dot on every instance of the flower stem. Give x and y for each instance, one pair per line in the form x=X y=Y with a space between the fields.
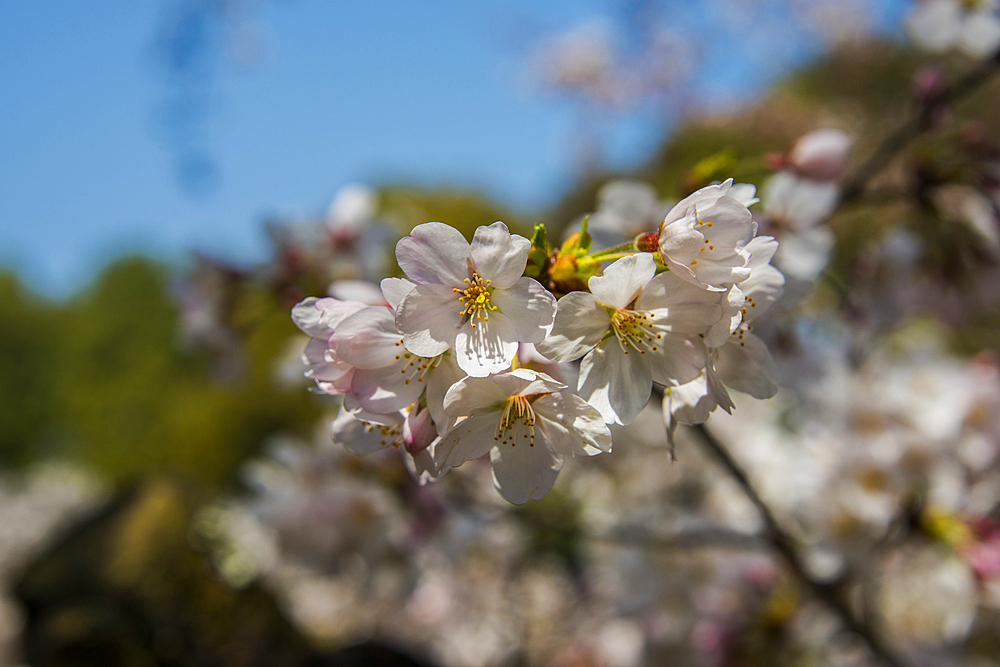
x=615 y=252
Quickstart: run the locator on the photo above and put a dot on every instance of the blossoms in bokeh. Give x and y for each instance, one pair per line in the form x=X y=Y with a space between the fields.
x=971 y=26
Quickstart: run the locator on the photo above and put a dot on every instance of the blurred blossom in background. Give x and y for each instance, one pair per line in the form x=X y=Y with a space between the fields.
x=176 y=176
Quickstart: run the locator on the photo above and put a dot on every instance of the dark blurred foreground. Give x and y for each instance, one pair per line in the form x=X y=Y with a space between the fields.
x=132 y=586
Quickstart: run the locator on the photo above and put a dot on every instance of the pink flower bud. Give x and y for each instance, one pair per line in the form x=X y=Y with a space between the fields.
x=821 y=154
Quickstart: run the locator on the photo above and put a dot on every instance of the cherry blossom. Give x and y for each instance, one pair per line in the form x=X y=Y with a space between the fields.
x=703 y=237
x=634 y=329
x=470 y=298
x=971 y=26
x=528 y=424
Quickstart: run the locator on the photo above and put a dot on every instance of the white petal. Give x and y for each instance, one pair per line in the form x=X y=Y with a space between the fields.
x=981 y=34
x=676 y=360
x=439 y=380
x=363 y=438
x=678 y=305
x=766 y=283
x=385 y=390
x=615 y=383
x=467 y=440
x=434 y=253
x=623 y=280
x=746 y=365
x=579 y=325
x=693 y=402
x=530 y=307
x=368 y=338
x=429 y=318
x=572 y=426
x=356 y=290
x=319 y=317
x=421 y=466
x=488 y=347
x=474 y=396
x=732 y=303
x=526 y=382
x=394 y=289
x=936 y=24
x=524 y=473
x=803 y=255
x=499 y=255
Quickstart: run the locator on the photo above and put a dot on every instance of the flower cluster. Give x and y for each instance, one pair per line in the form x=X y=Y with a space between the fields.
x=434 y=368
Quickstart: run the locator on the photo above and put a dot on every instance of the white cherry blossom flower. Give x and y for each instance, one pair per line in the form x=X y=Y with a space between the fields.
x=635 y=329
x=743 y=361
x=794 y=208
x=470 y=297
x=703 y=237
x=971 y=26
x=528 y=424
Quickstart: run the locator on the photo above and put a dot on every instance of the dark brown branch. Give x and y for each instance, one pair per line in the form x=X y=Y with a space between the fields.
x=784 y=544
x=920 y=122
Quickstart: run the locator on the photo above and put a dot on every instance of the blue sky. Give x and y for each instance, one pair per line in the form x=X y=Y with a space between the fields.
x=429 y=93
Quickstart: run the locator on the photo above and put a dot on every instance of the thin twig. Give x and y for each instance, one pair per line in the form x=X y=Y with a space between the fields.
x=920 y=122
x=784 y=544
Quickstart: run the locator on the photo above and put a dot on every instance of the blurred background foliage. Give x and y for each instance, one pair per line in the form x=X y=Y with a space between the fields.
x=102 y=377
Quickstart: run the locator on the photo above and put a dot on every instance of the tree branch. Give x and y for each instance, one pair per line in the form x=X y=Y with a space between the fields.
x=920 y=122
x=784 y=544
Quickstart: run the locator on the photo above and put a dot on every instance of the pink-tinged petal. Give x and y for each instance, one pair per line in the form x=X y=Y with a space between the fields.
x=385 y=390
x=499 y=255
x=623 y=280
x=821 y=154
x=488 y=347
x=434 y=253
x=579 y=325
x=677 y=359
x=418 y=430
x=340 y=385
x=522 y=473
x=394 y=289
x=439 y=380
x=572 y=426
x=467 y=440
x=746 y=365
x=474 y=396
x=361 y=437
x=319 y=317
x=615 y=383
x=429 y=318
x=530 y=307
x=369 y=339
